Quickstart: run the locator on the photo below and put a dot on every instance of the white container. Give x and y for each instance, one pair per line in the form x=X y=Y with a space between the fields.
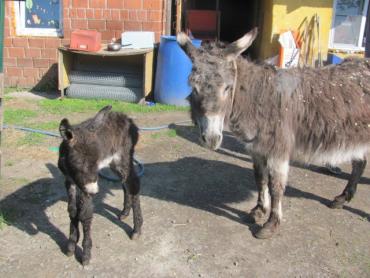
x=137 y=40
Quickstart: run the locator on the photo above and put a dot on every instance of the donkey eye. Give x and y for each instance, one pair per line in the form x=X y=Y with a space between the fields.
x=227 y=88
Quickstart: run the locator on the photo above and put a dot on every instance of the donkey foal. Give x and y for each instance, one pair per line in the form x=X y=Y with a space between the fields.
x=108 y=139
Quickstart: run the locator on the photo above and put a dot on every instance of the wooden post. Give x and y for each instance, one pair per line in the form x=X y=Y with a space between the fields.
x=178 y=15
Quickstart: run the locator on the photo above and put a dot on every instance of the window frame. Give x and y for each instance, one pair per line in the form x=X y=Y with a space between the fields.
x=22 y=30
x=348 y=47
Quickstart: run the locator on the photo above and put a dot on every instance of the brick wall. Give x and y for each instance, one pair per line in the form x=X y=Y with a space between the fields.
x=31 y=61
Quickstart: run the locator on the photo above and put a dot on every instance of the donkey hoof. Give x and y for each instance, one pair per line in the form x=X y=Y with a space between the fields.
x=255 y=216
x=85 y=260
x=135 y=235
x=336 y=204
x=267 y=231
x=71 y=247
x=123 y=215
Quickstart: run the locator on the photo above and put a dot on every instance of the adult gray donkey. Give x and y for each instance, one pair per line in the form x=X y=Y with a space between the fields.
x=312 y=115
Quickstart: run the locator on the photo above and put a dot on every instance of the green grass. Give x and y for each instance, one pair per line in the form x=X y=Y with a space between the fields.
x=65 y=106
x=168 y=133
x=18 y=116
x=31 y=139
x=50 y=126
x=8 y=90
x=3 y=221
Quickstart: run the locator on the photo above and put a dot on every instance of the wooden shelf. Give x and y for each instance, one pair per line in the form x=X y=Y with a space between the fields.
x=68 y=58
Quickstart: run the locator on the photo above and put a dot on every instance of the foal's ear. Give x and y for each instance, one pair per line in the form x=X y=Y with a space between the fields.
x=65 y=130
x=98 y=119
x=236 y=48
x=186 y=45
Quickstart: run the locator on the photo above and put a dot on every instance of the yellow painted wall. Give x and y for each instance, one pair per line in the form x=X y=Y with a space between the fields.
x=281 y=15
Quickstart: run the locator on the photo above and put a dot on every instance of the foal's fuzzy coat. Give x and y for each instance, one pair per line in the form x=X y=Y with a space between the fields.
x=315 y=115
x=108 y=139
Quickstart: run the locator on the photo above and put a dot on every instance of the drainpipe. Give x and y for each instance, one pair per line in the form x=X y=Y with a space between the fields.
x=2 y=12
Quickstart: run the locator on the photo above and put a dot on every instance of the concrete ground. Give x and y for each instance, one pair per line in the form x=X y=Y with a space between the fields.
x=194 y=203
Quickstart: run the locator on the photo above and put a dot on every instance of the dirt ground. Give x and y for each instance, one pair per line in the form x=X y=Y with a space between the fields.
x=194 y=203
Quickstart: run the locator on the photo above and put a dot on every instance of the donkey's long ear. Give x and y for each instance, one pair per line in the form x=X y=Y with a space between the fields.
x=234 y=49
x=65 y=130
x=186 y=45
x=98 y=119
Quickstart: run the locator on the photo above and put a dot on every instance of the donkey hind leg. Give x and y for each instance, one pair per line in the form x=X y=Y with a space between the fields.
x=85 y=216
x=278 y=174
x=127 y=203
x=74 y=233
x=261 y=177
x=131 y=189
x=358 y=167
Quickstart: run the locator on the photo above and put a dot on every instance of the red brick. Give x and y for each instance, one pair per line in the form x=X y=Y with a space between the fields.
x=154 y=15
x=89 y=13
x=25 y=62
x=26 y=82
x=114 y=25
x=79 y=24
x=66 y=24
x=157 y=36
x=12 y=62
x=5 y=52
x=115 y=15
x=133 y=4
x=107 y=14
x=36 y=42
x=115 y=4
x=133 y=26
x=52 y=43
x=31 y=73
x=7 y=42
x=65 y=13
x=97 y=24
x=132 y=15
x=73 y=13
x=12 y=71
x=152 y=26
x=21 y=42
x=16 y=52
x=108 y=35
x=142 y=15
x=80 y=3
x=124 y=15
x=49 y=53
x=152 y=4
x=98 y=14
x=81 y=13
x=33 y=52
x=41 y=63
x=66 y=3
x=97 y=4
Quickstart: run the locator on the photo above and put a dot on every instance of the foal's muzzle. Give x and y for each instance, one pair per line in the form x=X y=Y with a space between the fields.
x=212 y=142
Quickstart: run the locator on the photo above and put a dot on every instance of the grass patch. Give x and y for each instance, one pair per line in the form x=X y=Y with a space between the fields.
x=65 y=106
x=31 y=139
x=9 y=163
x=168 y=133
x=3 y=221
x=18 y=116
x=50 y=126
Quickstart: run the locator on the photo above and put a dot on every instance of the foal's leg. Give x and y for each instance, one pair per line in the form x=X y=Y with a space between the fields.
x=278 y=175
x=261 y=178
x=131 y=191
x=74 y=233
x=85 y=216
x=358 y=167
x=127 y=203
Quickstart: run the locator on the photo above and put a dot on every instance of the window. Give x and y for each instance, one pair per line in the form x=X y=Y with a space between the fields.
x=348 y=26
x=39 y=17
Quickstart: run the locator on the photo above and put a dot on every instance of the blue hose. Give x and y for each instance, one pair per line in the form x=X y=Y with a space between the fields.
x=139 y=164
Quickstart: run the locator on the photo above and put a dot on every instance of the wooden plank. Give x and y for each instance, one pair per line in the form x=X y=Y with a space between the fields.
x=148 y=73
x=178 y=15
x=65 y=62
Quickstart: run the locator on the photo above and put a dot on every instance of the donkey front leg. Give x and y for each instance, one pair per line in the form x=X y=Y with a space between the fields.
x=278 y=175
x=261 y=178
x=74 y=233
x=85 y=216
x=358 y=167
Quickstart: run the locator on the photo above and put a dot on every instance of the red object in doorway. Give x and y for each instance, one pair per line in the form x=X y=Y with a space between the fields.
x=85 y=40
x=203 y=24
